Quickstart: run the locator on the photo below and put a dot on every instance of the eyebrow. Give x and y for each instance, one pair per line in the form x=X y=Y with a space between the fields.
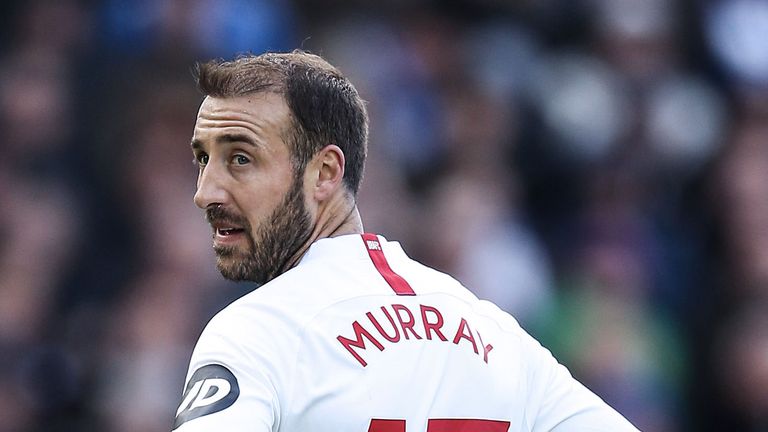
x=227 y=138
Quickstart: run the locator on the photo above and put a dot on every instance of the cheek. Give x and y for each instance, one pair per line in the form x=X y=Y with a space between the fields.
x=258 y=204
x=261 y=191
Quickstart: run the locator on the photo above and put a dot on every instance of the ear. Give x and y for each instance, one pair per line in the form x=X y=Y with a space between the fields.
x=328 y=172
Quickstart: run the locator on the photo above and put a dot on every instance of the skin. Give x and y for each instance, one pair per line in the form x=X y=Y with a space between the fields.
x=246 y=171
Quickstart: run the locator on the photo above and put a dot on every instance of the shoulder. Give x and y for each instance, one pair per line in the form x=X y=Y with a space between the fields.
x=434 y=281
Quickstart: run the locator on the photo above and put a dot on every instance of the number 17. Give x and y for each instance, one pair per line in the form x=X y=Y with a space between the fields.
x=442 y=425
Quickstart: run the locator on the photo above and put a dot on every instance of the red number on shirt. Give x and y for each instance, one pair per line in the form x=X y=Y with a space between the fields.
x=442 y=425
x=379 y=425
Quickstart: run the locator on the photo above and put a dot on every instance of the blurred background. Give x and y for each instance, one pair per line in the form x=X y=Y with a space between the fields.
x=599 y=168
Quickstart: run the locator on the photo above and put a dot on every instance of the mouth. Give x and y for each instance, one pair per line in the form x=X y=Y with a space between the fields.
x=228 y=231
x=227 y=234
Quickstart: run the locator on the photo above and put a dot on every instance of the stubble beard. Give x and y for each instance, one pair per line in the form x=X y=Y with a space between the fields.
x=275 y=242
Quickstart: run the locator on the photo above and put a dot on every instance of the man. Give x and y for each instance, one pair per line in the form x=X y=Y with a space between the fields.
x=345 y=333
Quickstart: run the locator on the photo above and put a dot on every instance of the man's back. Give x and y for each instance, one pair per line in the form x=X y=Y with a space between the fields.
x=358 y=337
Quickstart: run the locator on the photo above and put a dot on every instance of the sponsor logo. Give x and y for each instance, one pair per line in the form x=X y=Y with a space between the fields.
x=211 y=388
x=373 y=245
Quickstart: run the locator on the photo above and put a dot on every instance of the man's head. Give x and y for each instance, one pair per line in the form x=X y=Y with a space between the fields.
x=276 y=136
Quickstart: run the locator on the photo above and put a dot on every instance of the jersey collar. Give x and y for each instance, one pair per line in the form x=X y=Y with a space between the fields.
x=347 y=247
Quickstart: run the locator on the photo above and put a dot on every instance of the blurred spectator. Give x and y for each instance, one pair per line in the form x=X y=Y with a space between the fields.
x=471 y=233
x=744 y=187
x=209 y=28
x=742 y=363
x=638 y=37
x=604 y=325
x=736 y=32
x=585 y=106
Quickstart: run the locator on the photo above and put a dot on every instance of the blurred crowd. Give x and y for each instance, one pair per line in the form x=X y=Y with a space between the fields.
x=598 y=168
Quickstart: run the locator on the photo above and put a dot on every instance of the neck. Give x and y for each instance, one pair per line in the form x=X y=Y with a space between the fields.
x=340 y=218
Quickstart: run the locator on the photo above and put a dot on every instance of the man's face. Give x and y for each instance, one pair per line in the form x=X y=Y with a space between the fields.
x=247 y=186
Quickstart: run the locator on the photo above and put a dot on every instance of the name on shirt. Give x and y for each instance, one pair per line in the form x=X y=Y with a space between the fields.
x=397 y=322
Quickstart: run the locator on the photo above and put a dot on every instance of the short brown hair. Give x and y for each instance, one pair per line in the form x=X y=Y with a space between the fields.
x=325 y=106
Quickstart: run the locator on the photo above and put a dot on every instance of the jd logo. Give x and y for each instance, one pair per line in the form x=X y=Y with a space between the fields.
x=211 y=389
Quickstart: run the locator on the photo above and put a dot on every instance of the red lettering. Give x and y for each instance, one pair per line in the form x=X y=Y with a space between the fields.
x=430 y=327
x=396 y=337
x=486 y=348
x=474 y=425
x=461 y=335
x=381 y=425
x=359 y=342
x=432 y=320
x=406 y=325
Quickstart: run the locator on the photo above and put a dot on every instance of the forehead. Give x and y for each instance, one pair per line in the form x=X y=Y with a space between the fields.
x=261 y=115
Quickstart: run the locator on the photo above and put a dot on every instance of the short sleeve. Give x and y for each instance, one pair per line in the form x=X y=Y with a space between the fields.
x=229 y=387
x=559 y=403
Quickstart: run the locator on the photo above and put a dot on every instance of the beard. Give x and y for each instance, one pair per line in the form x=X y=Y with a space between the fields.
x=273 y=244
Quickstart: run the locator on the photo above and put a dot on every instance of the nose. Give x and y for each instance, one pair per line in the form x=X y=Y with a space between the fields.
x=210 y=188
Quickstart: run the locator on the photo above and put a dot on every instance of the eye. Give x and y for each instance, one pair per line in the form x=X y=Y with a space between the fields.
x=240 y=159
x=201 y=159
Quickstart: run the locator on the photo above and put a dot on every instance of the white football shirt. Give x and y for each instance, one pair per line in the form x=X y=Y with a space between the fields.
x=360 y=338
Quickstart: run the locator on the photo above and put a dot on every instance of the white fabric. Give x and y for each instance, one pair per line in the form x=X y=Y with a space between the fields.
x=282 y=344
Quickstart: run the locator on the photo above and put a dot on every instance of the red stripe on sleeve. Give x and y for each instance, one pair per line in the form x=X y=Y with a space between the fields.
x=398 y=284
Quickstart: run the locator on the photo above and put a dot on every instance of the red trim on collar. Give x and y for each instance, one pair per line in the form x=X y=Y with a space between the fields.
x=398 y=284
